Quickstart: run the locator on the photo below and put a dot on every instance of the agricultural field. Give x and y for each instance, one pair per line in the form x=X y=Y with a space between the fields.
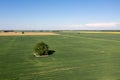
x=26 y=33
x=78 y=56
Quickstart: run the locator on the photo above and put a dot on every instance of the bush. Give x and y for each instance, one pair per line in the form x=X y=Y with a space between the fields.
x=41 y=49
x=22 y=32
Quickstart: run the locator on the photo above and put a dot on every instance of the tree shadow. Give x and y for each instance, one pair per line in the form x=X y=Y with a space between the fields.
x=50 y=52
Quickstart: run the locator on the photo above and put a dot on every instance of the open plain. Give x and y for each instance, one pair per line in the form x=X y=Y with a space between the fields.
x=81 y=56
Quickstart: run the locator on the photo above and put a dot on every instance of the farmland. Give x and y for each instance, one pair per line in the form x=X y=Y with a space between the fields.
x=81 y=56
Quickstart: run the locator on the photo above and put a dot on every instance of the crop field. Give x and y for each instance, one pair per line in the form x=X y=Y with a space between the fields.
x=101 y=32
x=26 y=33
x=83 y=56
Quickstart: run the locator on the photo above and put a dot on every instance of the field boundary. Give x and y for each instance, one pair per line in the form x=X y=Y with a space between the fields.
x=26 y=33
x=101 y=32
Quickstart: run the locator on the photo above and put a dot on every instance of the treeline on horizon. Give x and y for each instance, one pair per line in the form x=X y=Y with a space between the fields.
x=56 y=30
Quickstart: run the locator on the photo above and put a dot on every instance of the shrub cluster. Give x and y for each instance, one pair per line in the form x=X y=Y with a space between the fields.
x=41 y=49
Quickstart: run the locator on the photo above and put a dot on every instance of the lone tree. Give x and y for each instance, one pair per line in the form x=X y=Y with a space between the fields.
x=40 y=49
x=22 y=32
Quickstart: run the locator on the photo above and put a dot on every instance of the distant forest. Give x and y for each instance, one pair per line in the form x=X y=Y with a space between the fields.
x=56 y=30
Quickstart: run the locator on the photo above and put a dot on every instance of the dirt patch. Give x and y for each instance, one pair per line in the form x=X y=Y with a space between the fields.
x=26 y=33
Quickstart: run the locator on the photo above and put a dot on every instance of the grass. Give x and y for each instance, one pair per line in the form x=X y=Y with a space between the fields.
x=77 y=57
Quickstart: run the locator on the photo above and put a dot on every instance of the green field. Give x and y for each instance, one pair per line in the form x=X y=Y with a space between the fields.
x=76 y=57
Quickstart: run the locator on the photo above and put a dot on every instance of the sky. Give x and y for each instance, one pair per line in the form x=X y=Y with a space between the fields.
x=59 y=14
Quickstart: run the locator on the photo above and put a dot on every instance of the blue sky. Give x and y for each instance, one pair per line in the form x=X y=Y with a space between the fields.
x=60 y=14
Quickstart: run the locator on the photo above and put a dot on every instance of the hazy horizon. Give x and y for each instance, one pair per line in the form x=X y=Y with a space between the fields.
x=59 y=15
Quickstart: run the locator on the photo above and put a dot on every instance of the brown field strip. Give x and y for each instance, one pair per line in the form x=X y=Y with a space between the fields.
x=26 y=33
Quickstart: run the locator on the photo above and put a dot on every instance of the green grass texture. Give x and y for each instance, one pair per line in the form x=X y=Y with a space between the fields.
x=76 y=57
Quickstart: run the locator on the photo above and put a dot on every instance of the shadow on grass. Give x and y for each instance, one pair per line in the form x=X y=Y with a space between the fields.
x=50 y=52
